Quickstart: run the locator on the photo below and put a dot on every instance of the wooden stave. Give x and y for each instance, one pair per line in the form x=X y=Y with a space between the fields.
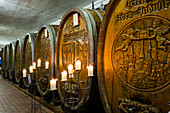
x=20 y=42
x=103 y=31
x=6 y=61
x=52 y=35
x=11 y=64
x=85 y=14
x=32 y=36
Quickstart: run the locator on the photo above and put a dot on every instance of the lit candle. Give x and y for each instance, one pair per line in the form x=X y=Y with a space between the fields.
x=78 y=65
x=46 y=65
x=64 y=76
x=34 y=65
x=53 y=84
x=90 y=70
x=46 y=33
x=70 y=69
x=31 y=69
x=24 y=72
x=39 y=63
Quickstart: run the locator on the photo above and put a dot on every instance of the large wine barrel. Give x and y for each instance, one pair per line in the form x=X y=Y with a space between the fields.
x=2 y=61
x=28 y=54
x=11 y=60
x=18 y=60
x=6 y=61
x=134 y=56
x=45 y=52
x=78 y=42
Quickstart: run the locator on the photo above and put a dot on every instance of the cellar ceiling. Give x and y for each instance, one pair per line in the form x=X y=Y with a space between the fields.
x=18 y=17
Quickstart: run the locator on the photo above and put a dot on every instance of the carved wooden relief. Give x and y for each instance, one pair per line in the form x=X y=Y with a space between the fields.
x=140 y=55
x=17 y=60
x=78 y=42
x=27 y=57
x=10 y=57
x=74 y=45
x=2 y=58
x=134 y=54
x=43 y=52
x=129 y=106
x=6 y=57
x=28 y=54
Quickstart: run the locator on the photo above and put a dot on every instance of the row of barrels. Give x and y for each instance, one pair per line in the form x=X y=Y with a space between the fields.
x=128 y=46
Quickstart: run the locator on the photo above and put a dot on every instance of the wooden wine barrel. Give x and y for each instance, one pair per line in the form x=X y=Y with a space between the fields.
x=45 y=52
x=28 y=54
x=2 y=61
x=11 y=60
x=6 y=61
x=78 y=42
x=18 y=60
x=134 y=56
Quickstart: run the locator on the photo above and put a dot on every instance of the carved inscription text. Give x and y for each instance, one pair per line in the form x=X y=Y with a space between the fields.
x=150 y=7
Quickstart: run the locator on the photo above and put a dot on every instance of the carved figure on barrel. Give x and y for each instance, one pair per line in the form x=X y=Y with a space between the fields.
x=159 y=30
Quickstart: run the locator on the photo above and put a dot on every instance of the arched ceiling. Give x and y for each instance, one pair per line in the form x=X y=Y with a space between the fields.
x=18 y=17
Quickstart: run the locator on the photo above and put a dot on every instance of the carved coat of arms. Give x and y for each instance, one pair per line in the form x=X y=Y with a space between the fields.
x=75 y=45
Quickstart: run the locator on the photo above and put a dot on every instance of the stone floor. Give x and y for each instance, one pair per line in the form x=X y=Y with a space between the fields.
x=12 y=100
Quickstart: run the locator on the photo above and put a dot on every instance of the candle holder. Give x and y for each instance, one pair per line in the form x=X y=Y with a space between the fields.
x=11 y=73
x=53 y=101
x=2 y=72
x=6 y=72
x=73 y=89
x=33 y=84
x=18 y=73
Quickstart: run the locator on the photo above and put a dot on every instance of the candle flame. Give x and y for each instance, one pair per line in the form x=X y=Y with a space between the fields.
x=24 y=70
x=64 y=71
x=34 y=65
x=70 y=65
x=90 y=66
x=53 y=79
x=39 y=63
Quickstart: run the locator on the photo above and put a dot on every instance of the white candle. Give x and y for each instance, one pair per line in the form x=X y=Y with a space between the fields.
x=53 y=84
x=34 y=65
x=24 y=72
x=70 y=69
x=64 y=75
x=46 y=33
x=90 y=70
x=39 y=63
x=78 y=65
x=46 y=65
x=31 y=69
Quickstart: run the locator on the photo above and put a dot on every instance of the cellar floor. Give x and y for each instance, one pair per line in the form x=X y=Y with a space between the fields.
x=12 y=100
